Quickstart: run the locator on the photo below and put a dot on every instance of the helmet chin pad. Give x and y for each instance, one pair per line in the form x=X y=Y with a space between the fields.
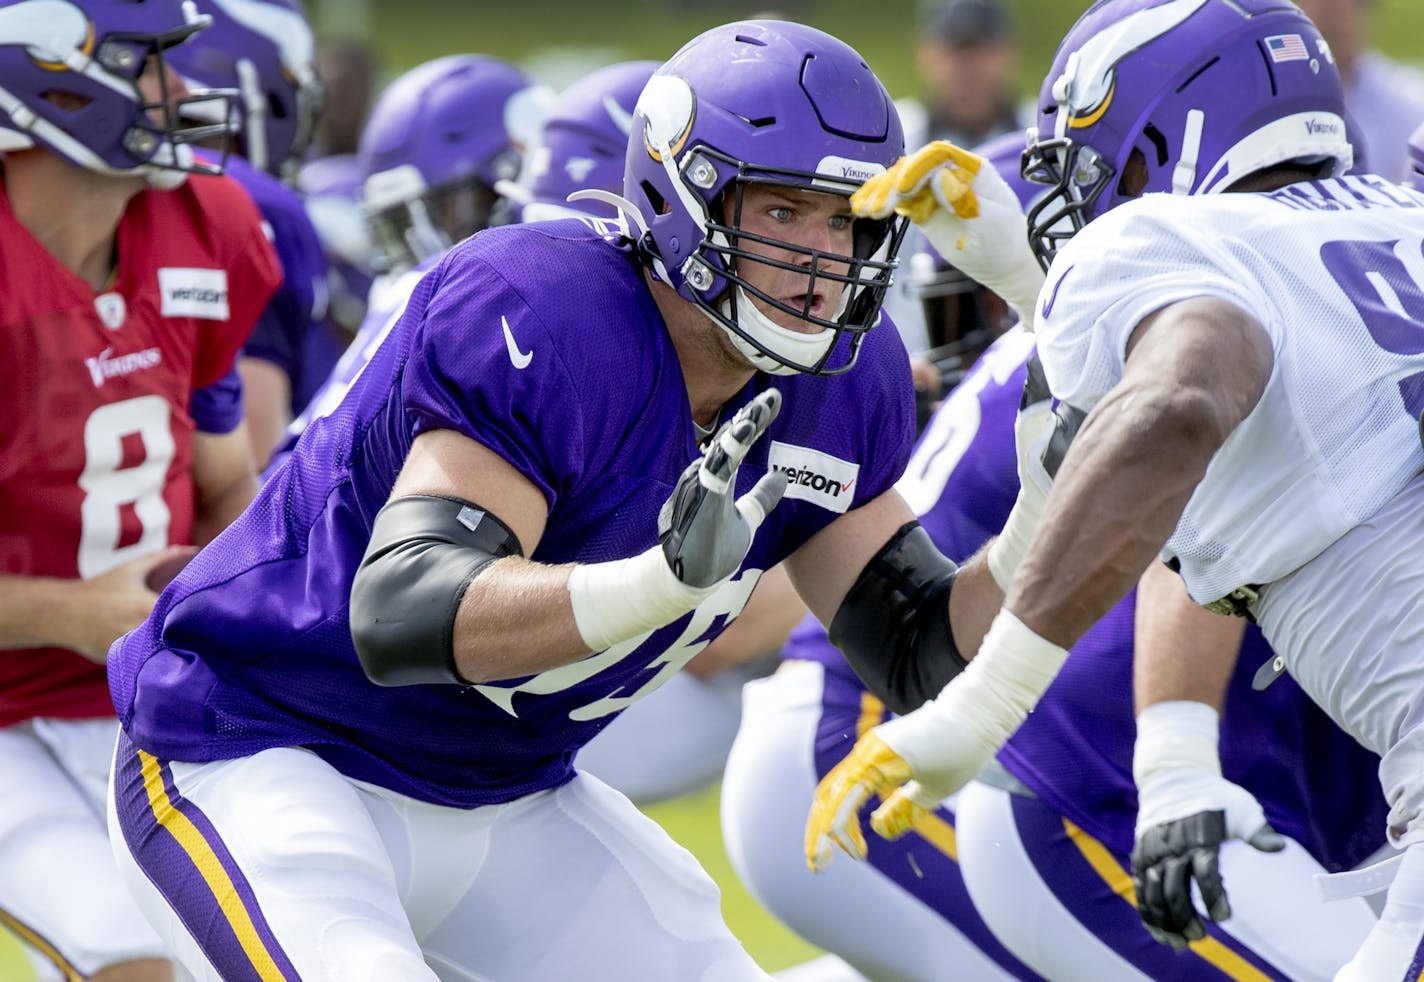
x=790 y=352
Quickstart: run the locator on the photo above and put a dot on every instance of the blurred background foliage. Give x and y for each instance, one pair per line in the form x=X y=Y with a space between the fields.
x=558 y=40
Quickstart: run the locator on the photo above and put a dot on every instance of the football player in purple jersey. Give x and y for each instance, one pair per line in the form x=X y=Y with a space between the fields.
x=265 y=52
x=350 y=724
x=440 y=135
x=583 y=145
x=1242 y=374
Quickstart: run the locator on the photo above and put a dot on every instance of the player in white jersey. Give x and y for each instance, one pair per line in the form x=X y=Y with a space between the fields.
x=1243 y=374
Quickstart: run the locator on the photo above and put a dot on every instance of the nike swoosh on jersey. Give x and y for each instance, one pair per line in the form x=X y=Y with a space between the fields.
x=520 y=359
x=621 y=117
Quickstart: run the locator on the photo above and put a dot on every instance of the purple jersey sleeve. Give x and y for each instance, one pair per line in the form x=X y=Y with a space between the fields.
x=217 y=408
x=488 y=368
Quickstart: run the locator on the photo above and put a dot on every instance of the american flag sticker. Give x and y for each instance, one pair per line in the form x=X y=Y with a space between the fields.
x=1287 y=47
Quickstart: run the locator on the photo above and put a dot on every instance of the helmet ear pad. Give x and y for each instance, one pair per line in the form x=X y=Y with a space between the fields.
x=1133 y=179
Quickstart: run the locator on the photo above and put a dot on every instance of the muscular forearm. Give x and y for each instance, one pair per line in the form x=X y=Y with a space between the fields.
x=1119 y=495
x=516 y=619
x=1182 y=652
x=973 y=602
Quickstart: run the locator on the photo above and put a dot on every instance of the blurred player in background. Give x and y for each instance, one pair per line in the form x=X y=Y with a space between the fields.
x=582 y=144
x=264 y=50
x=331 y=190
x=1171 y=331
x=128 y=284
x=349 y=70
x=1384 y=99
x=440 y=138
x=967 y=58
x=368 y=653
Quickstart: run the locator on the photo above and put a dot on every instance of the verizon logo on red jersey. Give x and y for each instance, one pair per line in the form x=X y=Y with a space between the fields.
x=105 y=367
x=188 y=292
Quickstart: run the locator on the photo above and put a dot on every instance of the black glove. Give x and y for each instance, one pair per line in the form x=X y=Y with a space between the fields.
x=1167 y=858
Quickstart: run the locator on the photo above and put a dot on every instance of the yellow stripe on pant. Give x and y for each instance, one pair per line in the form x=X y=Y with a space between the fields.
x=210 y=867
x=1209 y=949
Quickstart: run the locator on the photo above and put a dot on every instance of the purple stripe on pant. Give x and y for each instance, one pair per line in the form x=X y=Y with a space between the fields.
x=912 y=862
x=1114 y=921
x=174 y=872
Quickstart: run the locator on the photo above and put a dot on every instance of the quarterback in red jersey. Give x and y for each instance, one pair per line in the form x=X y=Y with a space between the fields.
x=127 y=287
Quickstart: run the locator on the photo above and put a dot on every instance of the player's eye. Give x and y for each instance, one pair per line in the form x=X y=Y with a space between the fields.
x=780 y=213
x=839 y=223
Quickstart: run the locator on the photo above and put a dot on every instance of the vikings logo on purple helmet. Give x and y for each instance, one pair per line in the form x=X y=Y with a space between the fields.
x=584 y=144
x=1190 y=94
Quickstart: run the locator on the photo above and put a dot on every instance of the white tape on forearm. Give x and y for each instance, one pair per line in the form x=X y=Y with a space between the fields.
x=622 y=599
x=991 y=697
x=1176 y=735
x=1008 y=550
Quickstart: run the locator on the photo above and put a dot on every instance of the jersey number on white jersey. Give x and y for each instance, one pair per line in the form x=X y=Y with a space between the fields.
x=1385 y=283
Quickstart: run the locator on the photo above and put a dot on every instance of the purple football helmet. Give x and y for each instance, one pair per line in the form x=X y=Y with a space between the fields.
x=774 y=103
x=70 y=83
x=584 y=143
x=438 y=140
x=1414 y=169
x=265 y=50
x=331 y=189
x=1187 y=95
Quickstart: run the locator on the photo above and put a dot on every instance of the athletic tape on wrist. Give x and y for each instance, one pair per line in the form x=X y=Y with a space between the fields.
x=622 y=599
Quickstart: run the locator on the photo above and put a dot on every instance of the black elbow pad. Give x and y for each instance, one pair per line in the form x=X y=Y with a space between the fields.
x=423 y=553
x=893 y=625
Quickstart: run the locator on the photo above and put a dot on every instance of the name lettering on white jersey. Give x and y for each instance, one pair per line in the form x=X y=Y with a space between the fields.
x=112 y=310
x=815 y=476
x=104 y=367
x=190 y=292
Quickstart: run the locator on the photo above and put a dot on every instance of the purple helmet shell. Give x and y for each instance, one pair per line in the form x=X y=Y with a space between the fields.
x=762 y=102
x=585 y=140
x=438 y=140
x=1414 y=172
x=265 y=50
x=1190 y=95
x=92 y=54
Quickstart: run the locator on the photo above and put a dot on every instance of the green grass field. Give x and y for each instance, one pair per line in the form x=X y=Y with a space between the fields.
x=694 y=821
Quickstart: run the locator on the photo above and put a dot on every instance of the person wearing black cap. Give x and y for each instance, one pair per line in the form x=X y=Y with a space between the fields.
x=966 y=53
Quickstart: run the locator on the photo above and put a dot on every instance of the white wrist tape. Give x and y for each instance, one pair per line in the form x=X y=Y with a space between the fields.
x=990 y=698
x=622 y=599
x=1008 y=550
x=1173 y=736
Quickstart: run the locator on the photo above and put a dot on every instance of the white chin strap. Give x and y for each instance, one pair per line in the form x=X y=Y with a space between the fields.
x=803 y=349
